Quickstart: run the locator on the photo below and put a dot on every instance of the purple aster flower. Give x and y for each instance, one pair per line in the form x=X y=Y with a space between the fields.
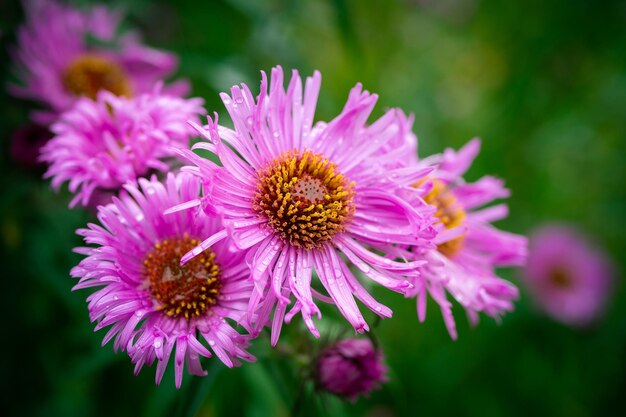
x=302 y=198
x=100 y=145
x=155 y=307
x=468 y=246
x=568 y=277
x=64 y=53
x=350 y=368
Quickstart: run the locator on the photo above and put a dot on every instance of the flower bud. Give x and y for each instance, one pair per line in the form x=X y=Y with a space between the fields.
x=350 y=368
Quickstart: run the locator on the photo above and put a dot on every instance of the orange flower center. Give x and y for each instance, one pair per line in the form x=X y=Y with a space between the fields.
x=305 y=200
x=188 y=290
x=449 y=213
x=88 y=74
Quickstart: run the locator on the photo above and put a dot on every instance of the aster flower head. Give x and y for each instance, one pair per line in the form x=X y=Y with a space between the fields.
x=350 y=368
x=469 y=247
x=300 y=197
x=567 y=276
x=102 y=144
x=64 y=53
x=154 y=307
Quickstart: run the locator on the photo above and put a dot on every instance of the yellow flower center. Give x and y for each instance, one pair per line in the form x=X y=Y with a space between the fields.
x=188 y=290
x=88 y=74
x=305 y=200
x=449 y=213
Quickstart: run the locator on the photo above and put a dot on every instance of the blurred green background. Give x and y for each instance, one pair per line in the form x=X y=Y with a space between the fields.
x=543 y=84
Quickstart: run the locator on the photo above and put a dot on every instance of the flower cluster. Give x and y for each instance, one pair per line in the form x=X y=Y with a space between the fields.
x=289 y=212
x=344 y=195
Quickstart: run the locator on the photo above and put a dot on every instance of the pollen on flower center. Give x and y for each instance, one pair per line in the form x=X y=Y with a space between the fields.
x=188 y=290
x=449 y=213
x=88 y=74
x=306 y=201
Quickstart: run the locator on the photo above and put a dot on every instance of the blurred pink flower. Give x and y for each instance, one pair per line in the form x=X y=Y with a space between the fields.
x=155 y=307
x=567 y=276
x=102 y=144
x=350 y=368
x=303 y=197
x=64 y=53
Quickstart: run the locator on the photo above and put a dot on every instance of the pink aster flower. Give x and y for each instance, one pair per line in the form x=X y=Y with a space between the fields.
x=350 y=368
x=468 y=247
x=64 y=53
x=156 y=308
x=100 y=145
x=302 y=198
x=568 y=277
